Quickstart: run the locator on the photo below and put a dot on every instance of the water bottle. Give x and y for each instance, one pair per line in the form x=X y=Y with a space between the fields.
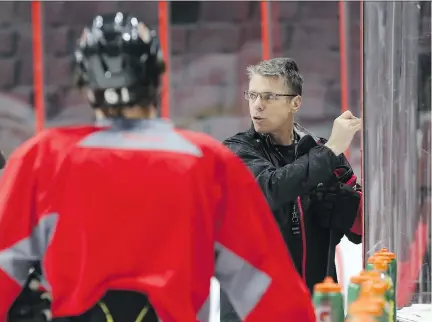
x=328 y=301
x=367 y=306
x=382 y=266
x=392 y=265
x=354 y=286
x=376 y=289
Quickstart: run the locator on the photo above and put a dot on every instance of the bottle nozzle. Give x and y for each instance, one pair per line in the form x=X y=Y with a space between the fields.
x=328 y=286
x=381 y=265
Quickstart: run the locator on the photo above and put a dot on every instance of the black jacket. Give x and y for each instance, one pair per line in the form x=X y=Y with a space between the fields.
x=289 y=188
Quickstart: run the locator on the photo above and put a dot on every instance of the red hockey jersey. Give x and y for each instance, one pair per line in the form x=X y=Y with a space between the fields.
x=142 y=206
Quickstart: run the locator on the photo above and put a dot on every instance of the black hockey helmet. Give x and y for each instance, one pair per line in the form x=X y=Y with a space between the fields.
x=119 y=61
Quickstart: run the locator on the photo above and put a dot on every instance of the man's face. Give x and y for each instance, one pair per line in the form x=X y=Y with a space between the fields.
x=269 y=112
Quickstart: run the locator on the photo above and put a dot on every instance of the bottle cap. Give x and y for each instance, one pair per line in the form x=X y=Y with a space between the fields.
x=368 y=292
x=359 y=279
x=377 y=258
x=371 y=274
x=380 y=287
x=365 y=306
x=328 y=286
x=390 y=255
x=371 y=259
x=366 y=289
x=381 y=265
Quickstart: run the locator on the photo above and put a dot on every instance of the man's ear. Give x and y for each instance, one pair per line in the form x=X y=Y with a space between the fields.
x=296 y=103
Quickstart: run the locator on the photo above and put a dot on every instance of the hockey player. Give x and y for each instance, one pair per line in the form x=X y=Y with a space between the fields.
x=133 y=213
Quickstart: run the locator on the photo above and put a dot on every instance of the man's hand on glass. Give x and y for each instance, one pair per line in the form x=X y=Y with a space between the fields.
x=344 y=129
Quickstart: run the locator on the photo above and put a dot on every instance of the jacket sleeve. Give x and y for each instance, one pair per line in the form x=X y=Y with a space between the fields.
x=18 y=250
x=284 y=185
x=356 y=232
x=252 y=262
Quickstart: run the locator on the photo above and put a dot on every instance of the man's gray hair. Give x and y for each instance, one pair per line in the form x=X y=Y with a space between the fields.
x=285 y=68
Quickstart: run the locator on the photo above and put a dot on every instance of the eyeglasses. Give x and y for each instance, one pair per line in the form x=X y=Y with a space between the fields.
x=266 y=96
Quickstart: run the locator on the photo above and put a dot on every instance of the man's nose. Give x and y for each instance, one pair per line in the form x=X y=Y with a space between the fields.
x=258 y=104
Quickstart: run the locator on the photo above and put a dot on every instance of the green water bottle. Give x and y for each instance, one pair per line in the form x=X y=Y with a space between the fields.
x=376 y=276
x=354 y=286
x=328 y=301
x=370 y=262
x=382 y=266
x=384 y=252
x=392 y=265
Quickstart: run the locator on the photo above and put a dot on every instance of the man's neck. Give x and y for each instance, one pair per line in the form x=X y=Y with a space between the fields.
x=133 y=112
x=284 y=136
x=137 y=112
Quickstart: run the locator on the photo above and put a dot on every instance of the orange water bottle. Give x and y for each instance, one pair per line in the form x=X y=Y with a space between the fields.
x=367 y=306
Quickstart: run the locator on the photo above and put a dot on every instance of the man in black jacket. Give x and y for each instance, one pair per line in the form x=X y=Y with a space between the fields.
x=306 y=180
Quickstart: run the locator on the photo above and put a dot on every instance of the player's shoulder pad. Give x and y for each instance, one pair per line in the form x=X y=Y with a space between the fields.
x=66 y=132
x=29 y=146
x=206 y=143
x=45 y=138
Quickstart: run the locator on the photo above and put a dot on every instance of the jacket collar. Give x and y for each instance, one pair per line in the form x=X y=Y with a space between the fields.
x=121 y=123
x=299 y=131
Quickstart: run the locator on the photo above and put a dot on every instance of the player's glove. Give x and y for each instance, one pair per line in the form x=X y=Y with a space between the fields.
x=335 y=205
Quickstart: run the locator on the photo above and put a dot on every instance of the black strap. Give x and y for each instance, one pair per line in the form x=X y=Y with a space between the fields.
x=119 y=306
